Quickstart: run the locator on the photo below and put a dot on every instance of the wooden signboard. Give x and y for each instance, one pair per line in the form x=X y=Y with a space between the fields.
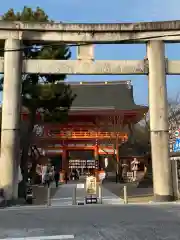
x=91 y=188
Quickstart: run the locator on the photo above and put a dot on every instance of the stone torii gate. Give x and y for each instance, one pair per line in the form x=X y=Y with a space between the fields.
x=156 y=66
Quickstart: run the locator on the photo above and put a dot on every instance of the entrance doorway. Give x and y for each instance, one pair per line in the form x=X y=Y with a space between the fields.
x=56 y=161
x=82 y=161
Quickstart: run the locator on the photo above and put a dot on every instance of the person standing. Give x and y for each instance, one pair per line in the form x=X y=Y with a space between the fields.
x=77 y=174
x=66 y=177
x=134 y=167
x=102 y=175
x=49 y=174
x=43 y=174
x=56 y=178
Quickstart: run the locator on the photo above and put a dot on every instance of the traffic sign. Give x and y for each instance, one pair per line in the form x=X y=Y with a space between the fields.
x=176 y=145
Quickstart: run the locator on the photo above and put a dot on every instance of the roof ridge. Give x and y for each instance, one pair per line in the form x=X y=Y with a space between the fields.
x=100 y=82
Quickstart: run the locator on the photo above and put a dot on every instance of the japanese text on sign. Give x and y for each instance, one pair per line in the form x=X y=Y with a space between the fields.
x=91 y=185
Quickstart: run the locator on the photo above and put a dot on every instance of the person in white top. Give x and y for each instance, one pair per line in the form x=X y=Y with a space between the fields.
x=102 y=175
x=134 y=167
x=106 y=162
x=20 y=177
x=43 y=175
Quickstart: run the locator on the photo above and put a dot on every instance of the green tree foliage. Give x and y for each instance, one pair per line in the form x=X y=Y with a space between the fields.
x=45 y=92
x=42 y=91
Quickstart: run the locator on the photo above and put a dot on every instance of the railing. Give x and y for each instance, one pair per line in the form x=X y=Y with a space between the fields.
x=94 y=135
x=86 y=135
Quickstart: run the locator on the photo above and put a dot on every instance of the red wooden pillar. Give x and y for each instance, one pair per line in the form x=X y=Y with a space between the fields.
x=96 y=154
x=64 y=165
x=64 y=159
x=117 y=156
x=117 y=149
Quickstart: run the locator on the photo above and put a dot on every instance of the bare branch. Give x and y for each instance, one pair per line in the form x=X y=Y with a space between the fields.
x=174 y=114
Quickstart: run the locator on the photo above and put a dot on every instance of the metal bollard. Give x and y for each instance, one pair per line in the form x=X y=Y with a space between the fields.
x=100 y=193
x=74 y=201
x=49 y=196
x=125 y=195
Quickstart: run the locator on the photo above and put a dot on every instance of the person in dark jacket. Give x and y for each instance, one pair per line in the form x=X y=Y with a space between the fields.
x=56 y=178
x=66 y=177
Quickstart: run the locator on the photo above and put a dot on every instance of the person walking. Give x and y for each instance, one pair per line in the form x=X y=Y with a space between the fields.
x=66 y=177
x=56 y=178
x=43 y=174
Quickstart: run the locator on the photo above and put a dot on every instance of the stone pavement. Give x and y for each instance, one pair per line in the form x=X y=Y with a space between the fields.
x=96 y=222
x=110 y=198
x=64 y=194
x=132 y=189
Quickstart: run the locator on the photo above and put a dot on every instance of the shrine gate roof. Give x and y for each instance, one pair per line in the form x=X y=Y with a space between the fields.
x=104 y=95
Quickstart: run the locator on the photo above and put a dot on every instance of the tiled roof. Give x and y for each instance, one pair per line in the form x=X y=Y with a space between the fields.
x=104 y=95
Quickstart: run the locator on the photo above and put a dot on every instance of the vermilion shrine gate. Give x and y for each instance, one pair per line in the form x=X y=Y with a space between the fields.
x=96 y=124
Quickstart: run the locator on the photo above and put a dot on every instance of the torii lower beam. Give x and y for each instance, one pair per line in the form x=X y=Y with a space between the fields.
x=98 y=67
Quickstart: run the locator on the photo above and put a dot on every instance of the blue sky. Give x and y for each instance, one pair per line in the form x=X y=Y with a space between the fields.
x=113 y=11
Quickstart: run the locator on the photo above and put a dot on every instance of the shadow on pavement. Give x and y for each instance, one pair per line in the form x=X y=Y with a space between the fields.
x=133 y=189
x=40 y=194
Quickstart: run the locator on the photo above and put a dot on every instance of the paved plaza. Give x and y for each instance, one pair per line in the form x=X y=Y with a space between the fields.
x=63 y=196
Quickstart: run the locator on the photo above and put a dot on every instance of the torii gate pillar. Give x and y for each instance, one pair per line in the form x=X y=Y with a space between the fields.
x=10 y=131
x=158 y=107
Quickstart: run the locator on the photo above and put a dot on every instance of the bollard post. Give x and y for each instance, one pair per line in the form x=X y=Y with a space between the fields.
x=74 y=202
x=100 y=193
x=49 y=195
x=125 y=195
